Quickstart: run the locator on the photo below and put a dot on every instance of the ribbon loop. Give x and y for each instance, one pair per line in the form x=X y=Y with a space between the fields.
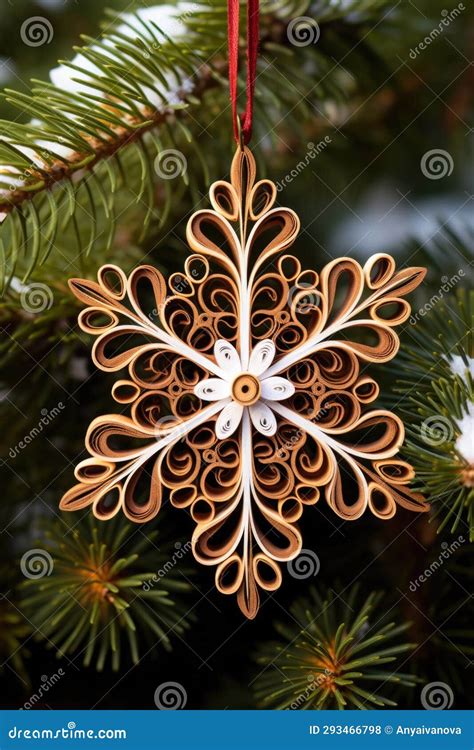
x=242 y=123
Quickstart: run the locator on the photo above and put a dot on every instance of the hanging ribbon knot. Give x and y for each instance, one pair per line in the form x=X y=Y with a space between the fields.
x=242 y=123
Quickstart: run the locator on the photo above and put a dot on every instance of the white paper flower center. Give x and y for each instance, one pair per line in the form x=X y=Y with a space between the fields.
x=246 y=389
x=238 y=390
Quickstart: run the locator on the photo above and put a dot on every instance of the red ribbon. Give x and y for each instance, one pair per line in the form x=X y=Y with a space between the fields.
x=243 y=123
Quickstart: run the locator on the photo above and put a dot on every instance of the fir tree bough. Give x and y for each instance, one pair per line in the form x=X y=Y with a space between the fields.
x=331 y=652
x=105 y=595
x=438 y=385
x=96 y=130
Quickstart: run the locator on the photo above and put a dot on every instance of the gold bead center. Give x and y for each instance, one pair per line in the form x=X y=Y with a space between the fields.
x=246 y=389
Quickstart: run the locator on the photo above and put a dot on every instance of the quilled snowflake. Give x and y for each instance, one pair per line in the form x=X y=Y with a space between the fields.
x=245 y=398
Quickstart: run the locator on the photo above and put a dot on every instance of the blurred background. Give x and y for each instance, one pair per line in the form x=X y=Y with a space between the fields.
x=384 y=128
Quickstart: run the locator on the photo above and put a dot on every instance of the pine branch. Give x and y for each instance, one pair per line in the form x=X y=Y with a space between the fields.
x=437 y=382
x=335 y=653
x=101 y=132
x=101 y=588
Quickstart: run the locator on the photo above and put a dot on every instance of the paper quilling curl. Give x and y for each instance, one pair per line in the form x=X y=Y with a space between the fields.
x=245 y=399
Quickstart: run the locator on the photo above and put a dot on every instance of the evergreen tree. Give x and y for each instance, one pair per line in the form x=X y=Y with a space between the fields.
x=362 y=118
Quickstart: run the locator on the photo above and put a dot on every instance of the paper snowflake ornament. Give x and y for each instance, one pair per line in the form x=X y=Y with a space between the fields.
x=247 y=395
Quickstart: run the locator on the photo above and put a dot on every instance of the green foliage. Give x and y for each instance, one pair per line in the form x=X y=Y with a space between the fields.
x=438 y=386
x=331 y=652
x=95 y=195
x=87 y=158
x=105 y=595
